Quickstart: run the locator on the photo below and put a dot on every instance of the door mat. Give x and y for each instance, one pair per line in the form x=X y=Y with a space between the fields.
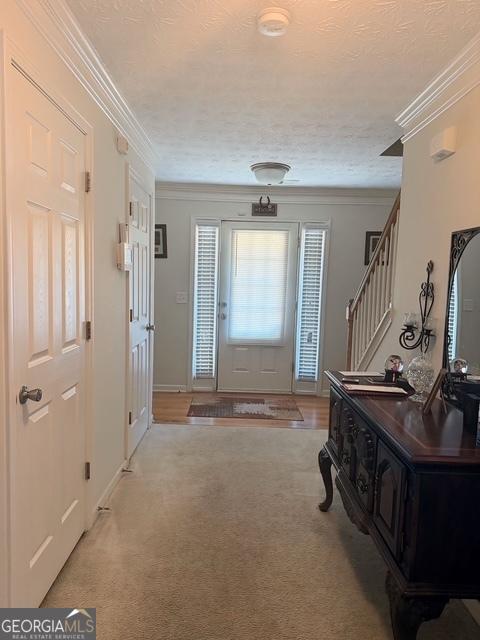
x=239 y=407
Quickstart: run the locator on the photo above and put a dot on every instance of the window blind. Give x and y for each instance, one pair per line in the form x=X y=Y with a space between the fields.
x=205 y=300
x=453 y=319
x=309 y=300
x=258 y=285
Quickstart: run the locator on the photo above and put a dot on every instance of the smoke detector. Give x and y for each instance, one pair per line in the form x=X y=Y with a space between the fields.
x=270 y=172
x=273 y=21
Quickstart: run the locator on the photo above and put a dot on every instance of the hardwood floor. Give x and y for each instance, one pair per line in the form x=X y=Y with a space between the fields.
x=172 y=408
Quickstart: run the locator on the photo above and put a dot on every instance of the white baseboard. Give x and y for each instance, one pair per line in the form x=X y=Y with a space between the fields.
x=182 y=388
x=105 y=497
x=272 y=392
x=165 y=388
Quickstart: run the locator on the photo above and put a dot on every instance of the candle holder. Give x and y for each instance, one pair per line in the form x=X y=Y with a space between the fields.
x=418 y=330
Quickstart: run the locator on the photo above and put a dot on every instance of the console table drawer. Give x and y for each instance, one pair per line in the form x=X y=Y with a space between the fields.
x=334 y=422
x=345 y=441
x=389 y=497
x=364 y=450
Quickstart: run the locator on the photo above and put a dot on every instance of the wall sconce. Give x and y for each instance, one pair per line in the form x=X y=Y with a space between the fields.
x=417 y=331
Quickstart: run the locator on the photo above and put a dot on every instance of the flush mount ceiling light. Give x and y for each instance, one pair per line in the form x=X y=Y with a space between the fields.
x=270 y=172
x=273 y=21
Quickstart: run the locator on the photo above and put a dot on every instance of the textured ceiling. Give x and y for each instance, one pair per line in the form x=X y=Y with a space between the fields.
x=216 y=96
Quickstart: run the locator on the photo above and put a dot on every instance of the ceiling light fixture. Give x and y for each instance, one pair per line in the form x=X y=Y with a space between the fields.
x=273 y=21
x=270 y=172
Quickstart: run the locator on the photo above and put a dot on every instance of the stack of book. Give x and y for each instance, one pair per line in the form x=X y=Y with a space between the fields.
x=369 y=383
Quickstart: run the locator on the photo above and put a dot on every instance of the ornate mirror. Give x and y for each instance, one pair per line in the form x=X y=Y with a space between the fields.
x=462 y=326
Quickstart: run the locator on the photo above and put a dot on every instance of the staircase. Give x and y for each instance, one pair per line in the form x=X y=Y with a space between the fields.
x=369 y=314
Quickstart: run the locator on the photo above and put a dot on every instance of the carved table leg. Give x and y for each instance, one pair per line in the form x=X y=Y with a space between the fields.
x=408 y=613
x=325 y=465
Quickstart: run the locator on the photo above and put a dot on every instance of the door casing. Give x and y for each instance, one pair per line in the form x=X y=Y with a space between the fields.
x=293 y=230
x=14 y=61
x=296 y=389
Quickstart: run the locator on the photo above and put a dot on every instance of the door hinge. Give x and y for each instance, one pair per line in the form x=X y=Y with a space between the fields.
x=88 y=330
x=87 y=471
x=88 y=181
x=130 y=208
x=131 y=315
x=129 y=417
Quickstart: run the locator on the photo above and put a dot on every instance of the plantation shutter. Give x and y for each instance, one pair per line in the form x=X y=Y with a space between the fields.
x=310 y=299
x=205 y=300
x=452 y=319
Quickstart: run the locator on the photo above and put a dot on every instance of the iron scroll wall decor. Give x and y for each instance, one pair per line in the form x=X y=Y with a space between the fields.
x=413 y=335
x=267 y=210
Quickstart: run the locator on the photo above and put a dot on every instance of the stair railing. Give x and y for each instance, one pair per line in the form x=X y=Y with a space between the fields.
x=369 y=314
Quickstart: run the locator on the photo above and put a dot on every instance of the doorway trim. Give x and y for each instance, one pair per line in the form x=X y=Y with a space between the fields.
x=13 y=60
x=320 y=224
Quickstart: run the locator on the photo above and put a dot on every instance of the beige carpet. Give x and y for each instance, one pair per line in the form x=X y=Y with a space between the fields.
x=217 y=536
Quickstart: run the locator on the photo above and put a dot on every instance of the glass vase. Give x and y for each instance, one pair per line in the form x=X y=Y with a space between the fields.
x=420 y=375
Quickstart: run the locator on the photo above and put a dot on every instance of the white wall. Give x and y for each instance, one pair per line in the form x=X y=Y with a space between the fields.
x=110 y=317
x=437 y=199
x=351 y=213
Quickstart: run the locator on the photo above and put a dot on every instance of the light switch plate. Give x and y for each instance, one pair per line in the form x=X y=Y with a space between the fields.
x=182 y=297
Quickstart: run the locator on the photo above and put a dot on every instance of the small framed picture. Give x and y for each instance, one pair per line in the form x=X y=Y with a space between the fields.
x=427 y=407
x=160 y=241
x=371 y=241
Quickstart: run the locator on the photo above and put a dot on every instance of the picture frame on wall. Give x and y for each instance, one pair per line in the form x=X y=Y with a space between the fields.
x=371 y=241
x=160 y=241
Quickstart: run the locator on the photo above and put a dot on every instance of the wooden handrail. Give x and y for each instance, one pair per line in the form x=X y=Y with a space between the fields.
x=392 y=218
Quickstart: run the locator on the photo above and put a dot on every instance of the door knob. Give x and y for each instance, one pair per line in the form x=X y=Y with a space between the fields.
x=223 y=316
x=32 y=394
x=150 y=327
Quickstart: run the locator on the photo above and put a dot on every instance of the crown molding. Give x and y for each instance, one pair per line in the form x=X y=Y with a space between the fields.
x=446 y=89
x=285 y=195
x=56 y=23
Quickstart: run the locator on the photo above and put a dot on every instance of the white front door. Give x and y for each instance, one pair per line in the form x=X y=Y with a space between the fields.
x=45 y=203
x=257 y=306
x=141 y=329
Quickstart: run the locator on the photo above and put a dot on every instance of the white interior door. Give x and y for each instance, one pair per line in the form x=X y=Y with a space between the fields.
x=45 y=202
x=141 y=327
x=257 y=306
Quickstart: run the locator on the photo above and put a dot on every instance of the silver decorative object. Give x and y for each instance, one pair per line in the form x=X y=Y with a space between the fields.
x=459 y=367
x=420 y=375
x=393 y=368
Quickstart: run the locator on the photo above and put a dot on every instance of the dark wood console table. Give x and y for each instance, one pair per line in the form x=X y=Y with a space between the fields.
x=413 y=483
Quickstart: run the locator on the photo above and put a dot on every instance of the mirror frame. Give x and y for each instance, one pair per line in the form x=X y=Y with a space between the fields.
x=459 y=242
